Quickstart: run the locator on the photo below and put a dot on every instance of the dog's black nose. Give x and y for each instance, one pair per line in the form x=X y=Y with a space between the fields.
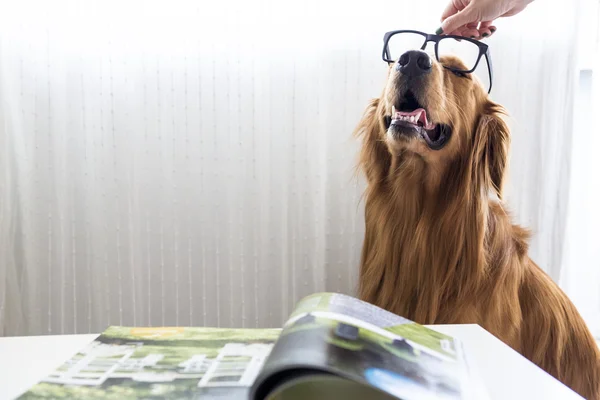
x=414 y=63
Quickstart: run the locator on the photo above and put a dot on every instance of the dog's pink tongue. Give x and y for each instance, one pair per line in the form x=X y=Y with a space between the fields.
x=414 y=116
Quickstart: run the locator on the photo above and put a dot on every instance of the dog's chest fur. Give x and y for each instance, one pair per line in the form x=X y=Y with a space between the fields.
x=429 y=256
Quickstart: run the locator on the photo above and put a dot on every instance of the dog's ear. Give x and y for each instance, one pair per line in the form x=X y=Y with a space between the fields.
x=375 y=158
x=492 y=140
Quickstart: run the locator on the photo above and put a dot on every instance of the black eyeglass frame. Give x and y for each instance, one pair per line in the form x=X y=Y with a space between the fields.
x=484 y=50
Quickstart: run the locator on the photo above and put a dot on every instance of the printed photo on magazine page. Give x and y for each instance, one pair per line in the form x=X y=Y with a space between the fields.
x=161 y=363
x=333 y=334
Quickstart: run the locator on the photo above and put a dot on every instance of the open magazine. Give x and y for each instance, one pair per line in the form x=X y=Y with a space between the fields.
x=332 y=346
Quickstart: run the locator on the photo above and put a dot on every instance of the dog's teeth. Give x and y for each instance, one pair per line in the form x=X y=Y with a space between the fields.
x=393 y=110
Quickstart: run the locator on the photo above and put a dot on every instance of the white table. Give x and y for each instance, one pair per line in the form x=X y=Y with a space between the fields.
x=505 y=373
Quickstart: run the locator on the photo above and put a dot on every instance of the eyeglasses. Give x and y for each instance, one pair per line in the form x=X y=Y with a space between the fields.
x=470 y=51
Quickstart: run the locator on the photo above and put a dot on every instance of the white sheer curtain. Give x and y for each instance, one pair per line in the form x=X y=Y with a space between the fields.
x=191 y=163
x=580 y=276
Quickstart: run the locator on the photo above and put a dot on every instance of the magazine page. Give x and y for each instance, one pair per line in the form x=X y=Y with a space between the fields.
x=166 y=363
x=340 y=335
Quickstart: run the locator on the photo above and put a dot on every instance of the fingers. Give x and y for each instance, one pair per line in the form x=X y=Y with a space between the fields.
x=450 y=10
x=484 y=29
x=460 y=19
x=474 y=30
x=470 y=31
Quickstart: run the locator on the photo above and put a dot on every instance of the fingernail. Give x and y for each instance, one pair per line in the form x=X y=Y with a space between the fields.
x=439 y=31
x=485 y=34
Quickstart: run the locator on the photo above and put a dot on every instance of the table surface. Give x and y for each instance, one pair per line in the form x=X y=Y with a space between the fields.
x=505 y=373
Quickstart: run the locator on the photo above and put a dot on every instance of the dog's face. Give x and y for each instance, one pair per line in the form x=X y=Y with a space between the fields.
x=431 y=123
x=429 y=110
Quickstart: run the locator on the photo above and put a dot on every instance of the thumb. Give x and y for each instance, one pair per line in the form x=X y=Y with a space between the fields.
x=450 y=10
x=459 y=19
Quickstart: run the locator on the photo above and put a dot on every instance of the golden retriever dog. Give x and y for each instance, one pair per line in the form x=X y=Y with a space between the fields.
x=439 y=246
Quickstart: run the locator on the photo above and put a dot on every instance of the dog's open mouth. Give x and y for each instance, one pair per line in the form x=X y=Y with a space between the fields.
x=409 y=117
x=416 y=117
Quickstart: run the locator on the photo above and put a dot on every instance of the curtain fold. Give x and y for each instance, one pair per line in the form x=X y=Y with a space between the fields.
x=193 y=164
x=580 y=275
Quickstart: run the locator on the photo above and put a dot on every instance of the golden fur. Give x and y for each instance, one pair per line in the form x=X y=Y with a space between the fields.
x=439 y=246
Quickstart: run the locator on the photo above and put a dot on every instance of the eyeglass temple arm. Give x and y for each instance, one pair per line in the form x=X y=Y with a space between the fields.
x=488 y=59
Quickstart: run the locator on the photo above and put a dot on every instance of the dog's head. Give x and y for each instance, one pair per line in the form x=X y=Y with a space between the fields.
x=435 y=117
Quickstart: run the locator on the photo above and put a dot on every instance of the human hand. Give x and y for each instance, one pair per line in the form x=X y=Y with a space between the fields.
x=474 y=18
